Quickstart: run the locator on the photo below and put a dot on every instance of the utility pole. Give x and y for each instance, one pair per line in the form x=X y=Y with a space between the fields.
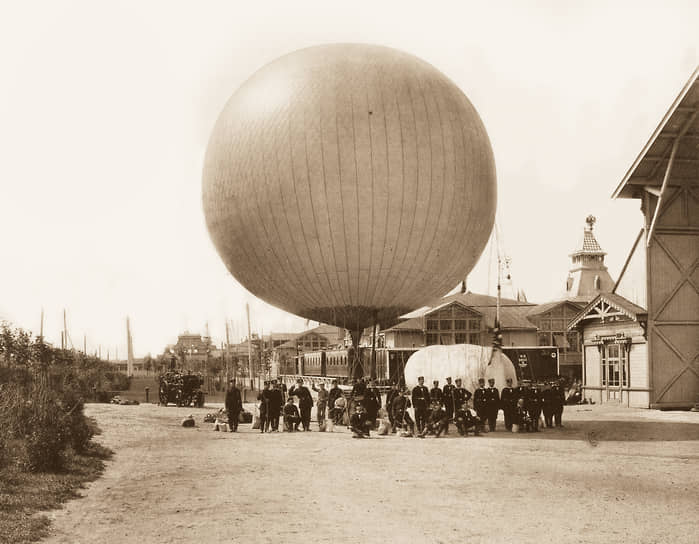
x=247 y=311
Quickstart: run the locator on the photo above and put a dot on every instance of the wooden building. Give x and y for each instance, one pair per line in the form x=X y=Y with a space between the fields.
x=615 y=369
x=661 y=274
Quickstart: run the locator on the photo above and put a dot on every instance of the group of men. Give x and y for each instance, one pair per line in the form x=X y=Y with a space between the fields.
x=434 y=408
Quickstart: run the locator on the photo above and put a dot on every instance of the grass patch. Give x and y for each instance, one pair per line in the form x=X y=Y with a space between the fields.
x=24 y=494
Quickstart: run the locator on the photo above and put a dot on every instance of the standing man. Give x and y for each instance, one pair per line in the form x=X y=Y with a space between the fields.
x=393 y=393
x=508 y=401
x=276 y=402
x=373 y=403
x=547 y=404
x=533 y=405
x=559 y=397
x=234 y=404
x=493 y=404
x=421 y=403
x=322 y=402
x=450 y=405
x=436 y=394
x=334 y=412
x=305 y=402
x=264 y=397
x=459 y=396
x=480 y=401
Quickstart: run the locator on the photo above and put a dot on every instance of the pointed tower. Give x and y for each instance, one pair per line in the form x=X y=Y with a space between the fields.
x=588 y=276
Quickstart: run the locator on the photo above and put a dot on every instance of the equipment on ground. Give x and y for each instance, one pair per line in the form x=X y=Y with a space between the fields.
x=181 y=389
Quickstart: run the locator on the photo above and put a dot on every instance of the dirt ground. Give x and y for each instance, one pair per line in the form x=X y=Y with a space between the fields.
x=611 y=475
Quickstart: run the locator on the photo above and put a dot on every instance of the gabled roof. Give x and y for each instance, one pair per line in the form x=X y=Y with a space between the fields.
x=617 y=302
x=469 y=300
x=414 y=324
x=649 y=167
x=543 y=308
x=511 y=317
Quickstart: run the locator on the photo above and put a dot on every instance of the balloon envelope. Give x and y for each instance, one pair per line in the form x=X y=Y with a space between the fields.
x=464 y=361
x=349 y=184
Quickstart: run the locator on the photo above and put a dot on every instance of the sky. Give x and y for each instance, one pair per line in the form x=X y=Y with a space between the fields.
x=106 y=109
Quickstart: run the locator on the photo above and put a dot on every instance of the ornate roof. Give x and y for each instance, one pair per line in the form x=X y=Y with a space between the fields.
x=589 y=244
x=607 y=305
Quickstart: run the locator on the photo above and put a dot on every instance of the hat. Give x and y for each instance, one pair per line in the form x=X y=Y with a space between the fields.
x=508 y=380
x=458 y=380
x=491 y=380
x=481 y=380
x=420 y=377
x=448 y=377
x=435 y=382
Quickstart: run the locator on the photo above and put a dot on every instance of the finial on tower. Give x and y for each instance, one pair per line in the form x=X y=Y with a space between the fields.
x=591 y=220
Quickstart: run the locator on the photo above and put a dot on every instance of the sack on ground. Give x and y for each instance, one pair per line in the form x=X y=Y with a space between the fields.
x=383 y=428
x=255 y=421
x=329 y=425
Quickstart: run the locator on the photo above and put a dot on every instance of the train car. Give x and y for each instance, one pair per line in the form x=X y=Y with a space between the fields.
x=314 y=363
x=538 y=363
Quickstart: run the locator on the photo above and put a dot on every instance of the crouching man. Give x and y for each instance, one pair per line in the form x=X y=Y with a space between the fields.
x=467 y=419
x=437 y=421
x=292 y=418
x=360 y=422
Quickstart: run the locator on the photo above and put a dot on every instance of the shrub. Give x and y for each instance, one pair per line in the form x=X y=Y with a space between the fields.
x=44 y=449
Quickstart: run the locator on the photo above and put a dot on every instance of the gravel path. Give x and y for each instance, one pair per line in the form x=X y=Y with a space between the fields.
x=611 y=475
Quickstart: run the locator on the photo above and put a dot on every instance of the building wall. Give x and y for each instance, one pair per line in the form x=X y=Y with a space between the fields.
x=636 y=392
x=519 y=338
x=673 y=300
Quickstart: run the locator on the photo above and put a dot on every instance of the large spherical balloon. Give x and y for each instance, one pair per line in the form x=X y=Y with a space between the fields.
x=349 y=183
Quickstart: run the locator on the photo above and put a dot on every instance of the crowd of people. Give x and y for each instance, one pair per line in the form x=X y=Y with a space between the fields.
x=435 y=409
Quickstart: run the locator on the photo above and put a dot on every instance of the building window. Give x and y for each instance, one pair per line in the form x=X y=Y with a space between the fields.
x=544 y=338
x=614 y=366
x=431 y=339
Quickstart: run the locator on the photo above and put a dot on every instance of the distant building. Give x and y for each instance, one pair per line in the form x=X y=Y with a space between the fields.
x=588 y=275
x=463 y=318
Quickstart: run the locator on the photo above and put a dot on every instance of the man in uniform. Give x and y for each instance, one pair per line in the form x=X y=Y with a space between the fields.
x=421 y=403
x=436 y=393
x=359 y=422
x=393 y=393
x=450 y=406
x=480 y=401
x=334 y=394
x=466 y=418
x=291 y=416
x=547 y=404
x=264 y=397
x=401 y=417
x=372 y=402
x=276 y=404
x=532 y=403
x=322 y=402
x=305 y=402
x=234 y=405
x=492 y=404
x=508 y=400
x=459 y=395
x=559 y=397
x=437 y=421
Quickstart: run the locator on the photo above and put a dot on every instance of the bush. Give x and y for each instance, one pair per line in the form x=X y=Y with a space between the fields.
x=44 y=449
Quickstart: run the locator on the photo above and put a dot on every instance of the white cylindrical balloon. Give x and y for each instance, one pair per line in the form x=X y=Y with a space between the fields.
x=464 y=361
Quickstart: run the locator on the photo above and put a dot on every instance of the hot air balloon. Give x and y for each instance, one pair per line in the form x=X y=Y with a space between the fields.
x=349 y=184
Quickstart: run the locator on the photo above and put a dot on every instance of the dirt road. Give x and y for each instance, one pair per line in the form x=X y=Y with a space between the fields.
x=611 y=475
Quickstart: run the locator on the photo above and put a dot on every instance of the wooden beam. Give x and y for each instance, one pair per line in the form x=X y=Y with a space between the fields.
x=677 y=159
x=668 y=171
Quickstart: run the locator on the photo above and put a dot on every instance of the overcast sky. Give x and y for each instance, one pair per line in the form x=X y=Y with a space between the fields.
x=106 y=110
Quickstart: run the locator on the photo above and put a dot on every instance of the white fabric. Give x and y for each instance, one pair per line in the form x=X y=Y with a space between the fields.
x=464 y=361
